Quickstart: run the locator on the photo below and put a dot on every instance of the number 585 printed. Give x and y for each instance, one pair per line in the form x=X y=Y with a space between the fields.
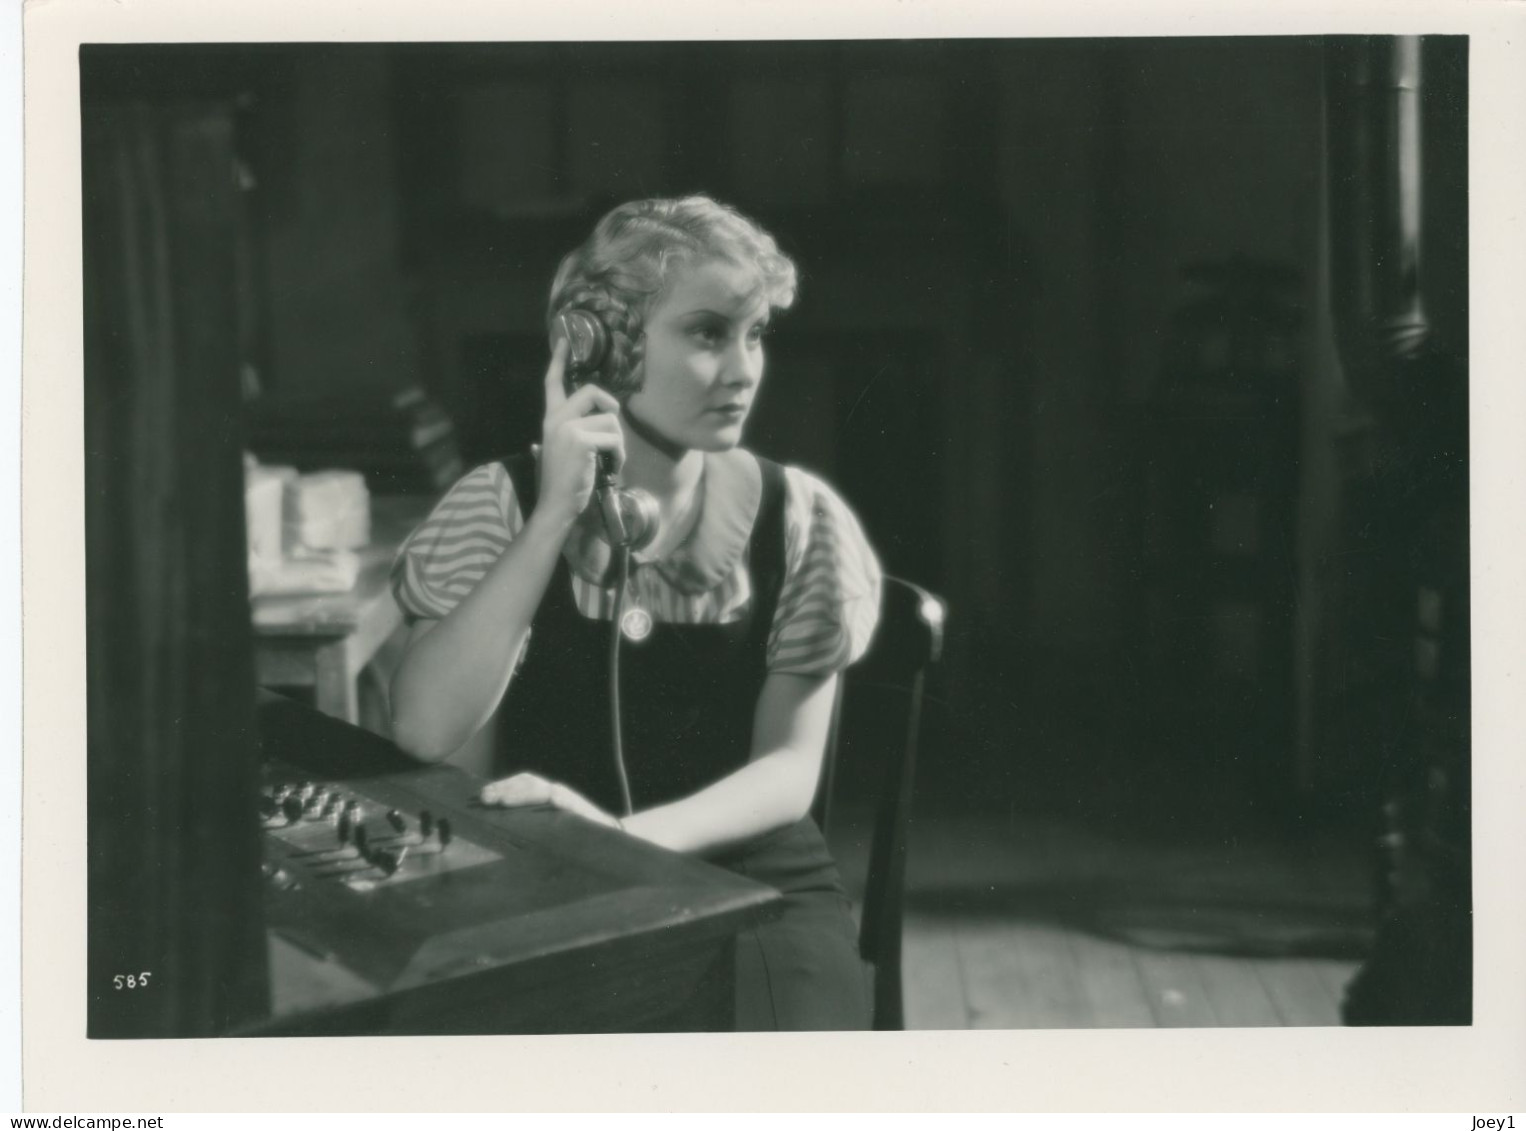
x=131 y=981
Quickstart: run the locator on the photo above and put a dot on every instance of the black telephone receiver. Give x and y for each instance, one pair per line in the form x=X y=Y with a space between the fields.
x=587 y=345
x=630 y=515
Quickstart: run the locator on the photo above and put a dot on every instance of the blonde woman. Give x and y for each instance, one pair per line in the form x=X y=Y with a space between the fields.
x=759 y=589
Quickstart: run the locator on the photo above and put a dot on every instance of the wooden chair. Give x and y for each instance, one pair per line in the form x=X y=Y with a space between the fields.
x=907 y=646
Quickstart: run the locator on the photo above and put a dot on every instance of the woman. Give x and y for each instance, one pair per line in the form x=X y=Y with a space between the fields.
x=760 y=582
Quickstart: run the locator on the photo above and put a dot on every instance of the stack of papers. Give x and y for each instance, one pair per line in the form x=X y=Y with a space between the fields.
x=303 y=529
x=304 y=572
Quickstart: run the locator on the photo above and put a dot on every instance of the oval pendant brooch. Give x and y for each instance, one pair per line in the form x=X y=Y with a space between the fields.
x=636 y=625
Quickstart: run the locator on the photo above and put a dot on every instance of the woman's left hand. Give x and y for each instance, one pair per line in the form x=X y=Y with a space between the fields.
x=532 y=789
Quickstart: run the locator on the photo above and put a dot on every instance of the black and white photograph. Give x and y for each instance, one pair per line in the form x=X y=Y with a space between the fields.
x=728 y=535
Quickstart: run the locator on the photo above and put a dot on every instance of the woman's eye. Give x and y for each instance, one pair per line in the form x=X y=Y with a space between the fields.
x=757 y=334
x=708 y=335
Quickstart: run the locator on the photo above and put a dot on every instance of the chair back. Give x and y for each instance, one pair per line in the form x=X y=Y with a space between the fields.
x=907 y=647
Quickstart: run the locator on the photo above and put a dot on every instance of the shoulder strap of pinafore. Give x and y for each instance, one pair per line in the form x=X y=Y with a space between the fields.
x=765 y=555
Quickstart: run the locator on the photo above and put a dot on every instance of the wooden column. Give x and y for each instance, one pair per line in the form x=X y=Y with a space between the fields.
x=173 y=841
x=1405 y=504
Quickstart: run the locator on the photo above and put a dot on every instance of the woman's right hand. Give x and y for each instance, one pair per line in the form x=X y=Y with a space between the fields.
x=575 y=429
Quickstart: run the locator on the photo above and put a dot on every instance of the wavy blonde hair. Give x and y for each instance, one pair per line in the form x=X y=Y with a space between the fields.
x=626 y=265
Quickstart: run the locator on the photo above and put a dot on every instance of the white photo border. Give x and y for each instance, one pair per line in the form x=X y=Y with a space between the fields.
x=1476 y=1068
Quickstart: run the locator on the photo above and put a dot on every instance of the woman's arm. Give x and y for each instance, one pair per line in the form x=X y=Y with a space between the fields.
x=774 y=789
x=455 y=670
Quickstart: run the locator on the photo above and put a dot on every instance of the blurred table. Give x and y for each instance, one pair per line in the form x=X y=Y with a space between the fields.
x=325 y=641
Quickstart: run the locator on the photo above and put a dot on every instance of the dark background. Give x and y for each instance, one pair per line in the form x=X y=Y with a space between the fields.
x=1167 y=601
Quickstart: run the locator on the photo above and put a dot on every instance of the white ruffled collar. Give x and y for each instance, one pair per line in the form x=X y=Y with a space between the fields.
x=730 y=492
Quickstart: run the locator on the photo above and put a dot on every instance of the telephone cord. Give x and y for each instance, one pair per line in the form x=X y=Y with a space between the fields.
x=623 y=554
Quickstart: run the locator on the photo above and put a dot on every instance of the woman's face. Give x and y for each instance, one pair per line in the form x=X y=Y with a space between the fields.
x=702 y=359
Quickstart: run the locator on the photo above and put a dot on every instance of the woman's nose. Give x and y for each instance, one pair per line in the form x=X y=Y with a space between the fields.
x=744 y=366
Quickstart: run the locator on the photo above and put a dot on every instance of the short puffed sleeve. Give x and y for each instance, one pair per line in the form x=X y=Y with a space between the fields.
x=450 y=552
x=829 y=603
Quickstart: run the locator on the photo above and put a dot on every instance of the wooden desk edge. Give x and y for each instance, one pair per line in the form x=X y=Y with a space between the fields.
x=729 y=901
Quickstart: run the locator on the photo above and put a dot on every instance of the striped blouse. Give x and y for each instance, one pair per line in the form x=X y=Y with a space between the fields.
x=828 y=604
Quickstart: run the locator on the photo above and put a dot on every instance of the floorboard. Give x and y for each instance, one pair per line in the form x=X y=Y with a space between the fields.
x=1238 y=998
x=1175 y=990
x=1020 y=976
x=1297 y=991
x=1111 y=988
x=934 y=984
x=1336 y=974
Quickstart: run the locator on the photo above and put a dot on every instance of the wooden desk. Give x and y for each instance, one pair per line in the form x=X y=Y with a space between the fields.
x=326 y=641
x=553 y=924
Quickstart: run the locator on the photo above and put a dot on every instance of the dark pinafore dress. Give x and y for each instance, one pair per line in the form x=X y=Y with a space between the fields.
x=688 y=694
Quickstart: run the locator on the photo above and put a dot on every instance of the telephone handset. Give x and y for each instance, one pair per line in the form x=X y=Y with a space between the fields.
x=630 y=514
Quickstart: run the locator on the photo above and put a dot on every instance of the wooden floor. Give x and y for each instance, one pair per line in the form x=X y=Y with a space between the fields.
x=1024 y=922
